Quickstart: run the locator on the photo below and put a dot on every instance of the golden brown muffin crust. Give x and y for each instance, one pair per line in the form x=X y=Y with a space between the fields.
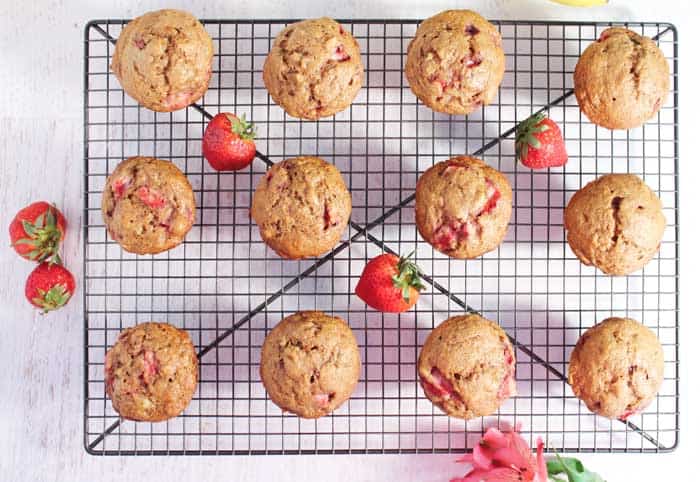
x=314 y=69
x=621 y=80
x=151 y=372
x=302 y=207
x=310 y=363
x=467 y=366
x=455 y=62
x=463 y=207
x=617 y=367
x=147 y=205
x=163 y=59
x=615 y=223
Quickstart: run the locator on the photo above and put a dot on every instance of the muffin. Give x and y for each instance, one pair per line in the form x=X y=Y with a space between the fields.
x=617 y=367
x=463 y=207
x=147 y=205
x=467 y=367
x=151 y=372
x=455 y=62
x=302 y=207
x=163 y=60
x=621 y=80
x=314 y=69
x=310 y=363
x=615 y=223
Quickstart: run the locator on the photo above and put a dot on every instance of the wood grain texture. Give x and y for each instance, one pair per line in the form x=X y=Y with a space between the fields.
x=41 y=129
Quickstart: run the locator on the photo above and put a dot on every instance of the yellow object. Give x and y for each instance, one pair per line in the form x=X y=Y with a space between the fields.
x=582 y=3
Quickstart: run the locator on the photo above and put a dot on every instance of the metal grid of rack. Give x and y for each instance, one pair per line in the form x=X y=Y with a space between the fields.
x=227 y=289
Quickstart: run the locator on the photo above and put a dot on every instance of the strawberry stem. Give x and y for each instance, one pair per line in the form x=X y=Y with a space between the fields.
x=242 y=128
x=44 y=236
x=525 y=134
x=408 y=277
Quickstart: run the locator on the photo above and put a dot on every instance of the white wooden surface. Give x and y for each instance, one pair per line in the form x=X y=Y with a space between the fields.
x=41 y=158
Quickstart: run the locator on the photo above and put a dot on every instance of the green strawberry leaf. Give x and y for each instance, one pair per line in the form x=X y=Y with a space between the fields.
x=573 y=468
x=408 y=277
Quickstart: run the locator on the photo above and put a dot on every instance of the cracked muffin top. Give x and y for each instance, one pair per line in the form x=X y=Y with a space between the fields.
x=314 y=69
x=617 y=367
x=151 y=372
x=147 y=205
x=463 y=207
x=455 y=62
x=310 y=363
x=302 y=207
x=163 y=60
x=621 y=80
x=467 y=366
x=615 y=223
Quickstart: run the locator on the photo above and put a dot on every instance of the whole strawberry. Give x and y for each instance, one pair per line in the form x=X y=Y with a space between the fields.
x=228 y=142
x=390 y=284
x=36 y=232
x=539 y=144
x=49 y=286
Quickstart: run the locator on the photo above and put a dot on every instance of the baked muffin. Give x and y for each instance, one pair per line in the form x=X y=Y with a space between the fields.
x=151 y=372
x=147 y=205
x=455 y=62
x=163 y=60
x=310 y=363
x=617 y=367
x=463 y=207
x=621 y=80
x=314 y=69
x=467 y=367
x=302 y=207
x=615 y=223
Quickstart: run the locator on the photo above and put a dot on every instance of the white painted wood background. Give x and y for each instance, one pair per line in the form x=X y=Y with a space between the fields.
x=41 y=158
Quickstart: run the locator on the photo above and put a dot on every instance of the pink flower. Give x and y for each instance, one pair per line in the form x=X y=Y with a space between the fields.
x=504 y=457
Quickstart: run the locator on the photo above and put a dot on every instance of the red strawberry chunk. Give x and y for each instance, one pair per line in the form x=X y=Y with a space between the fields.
x=604 y=36
x=507 y=385
x=493 y=195
x=471 y=29
x=150 y=366
x=120 y=185
x=178 y=100
x=472 y=60
x=322 y=399
x=140 y=43
x=627 y=413
x=329 y=217
x=439 y=386
x=151 y=197
x=340 y=54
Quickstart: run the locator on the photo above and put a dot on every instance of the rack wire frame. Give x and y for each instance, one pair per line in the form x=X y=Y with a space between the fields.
x=227 y=289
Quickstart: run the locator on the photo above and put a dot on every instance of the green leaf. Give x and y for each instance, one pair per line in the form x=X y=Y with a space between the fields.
x=573 y=468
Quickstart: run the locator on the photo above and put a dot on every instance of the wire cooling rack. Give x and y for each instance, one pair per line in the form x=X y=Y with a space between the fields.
x=227 y=289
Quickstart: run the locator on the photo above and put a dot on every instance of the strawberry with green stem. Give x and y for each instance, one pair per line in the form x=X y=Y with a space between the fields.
x=390 y=284
x=229 y=142
x=49 y=287
x=36 y=232
x=539 y=143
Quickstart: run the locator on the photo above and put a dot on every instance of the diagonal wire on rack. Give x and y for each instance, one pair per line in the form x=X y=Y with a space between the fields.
x=364 y=231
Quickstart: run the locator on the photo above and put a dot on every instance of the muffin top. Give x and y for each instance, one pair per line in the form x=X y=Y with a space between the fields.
x=615 y=223
x=302 y=207
x=455 y=62
x=463 y=207
x=617 y=367
x=314 y=69
x=310 y=363
x=151 y=372
x=147 y=205
x=621 y=80
x=163 y=59
x=467 y=366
